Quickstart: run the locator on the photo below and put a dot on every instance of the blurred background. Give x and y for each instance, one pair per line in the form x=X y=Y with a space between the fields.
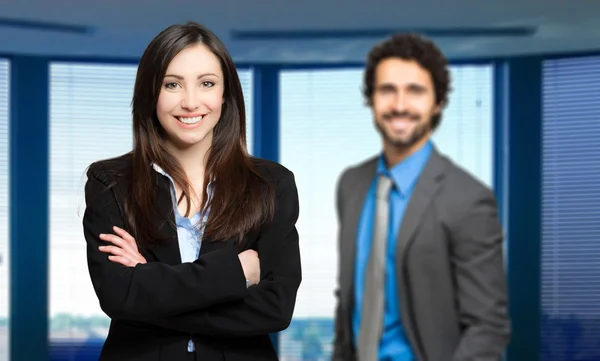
x=523 y=117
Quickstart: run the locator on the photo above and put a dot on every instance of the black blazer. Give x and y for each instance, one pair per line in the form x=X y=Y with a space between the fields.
x=155 y=308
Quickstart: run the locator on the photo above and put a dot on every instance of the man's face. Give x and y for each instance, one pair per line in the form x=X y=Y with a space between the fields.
x=403 y=103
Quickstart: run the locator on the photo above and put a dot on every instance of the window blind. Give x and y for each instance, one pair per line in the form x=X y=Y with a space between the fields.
x=324 y=128
x=466 y=133
x=570 y=209
x=246 y=78
x=90 y=120
x=4 y=205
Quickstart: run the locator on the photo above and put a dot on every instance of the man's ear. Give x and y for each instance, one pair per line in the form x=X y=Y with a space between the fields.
x=438 y=108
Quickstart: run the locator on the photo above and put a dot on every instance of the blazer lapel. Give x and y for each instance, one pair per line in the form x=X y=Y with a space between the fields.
x=427 y=186
x=167 y=250
x=357 y=187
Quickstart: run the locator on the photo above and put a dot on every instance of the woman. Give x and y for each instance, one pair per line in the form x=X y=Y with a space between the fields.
x=192 y=245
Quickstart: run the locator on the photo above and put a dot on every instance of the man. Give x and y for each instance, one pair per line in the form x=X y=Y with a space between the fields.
x=421 y=263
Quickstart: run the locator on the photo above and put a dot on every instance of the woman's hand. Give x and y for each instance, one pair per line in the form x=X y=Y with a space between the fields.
x=251 y=266
x=125 y=249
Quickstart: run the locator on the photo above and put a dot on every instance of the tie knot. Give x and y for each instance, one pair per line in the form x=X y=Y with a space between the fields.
x=384 y=184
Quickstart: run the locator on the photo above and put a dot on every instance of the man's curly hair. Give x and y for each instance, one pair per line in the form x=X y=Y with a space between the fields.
x=411 y=47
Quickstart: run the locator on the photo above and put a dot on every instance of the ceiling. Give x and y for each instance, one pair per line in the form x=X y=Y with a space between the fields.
x=321 y=31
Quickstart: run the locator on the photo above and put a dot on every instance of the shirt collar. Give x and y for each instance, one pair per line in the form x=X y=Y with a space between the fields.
x=405 y=174
x=158 y=168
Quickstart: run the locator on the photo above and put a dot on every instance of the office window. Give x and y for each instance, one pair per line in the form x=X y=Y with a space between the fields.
x=570 y=209
x=246 y=78
x=324 y=128
x=4 y=197
x=466 y=134
x=90 y=119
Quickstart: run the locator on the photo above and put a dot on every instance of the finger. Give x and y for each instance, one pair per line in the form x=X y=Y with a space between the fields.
x=127 y=260
x=120 y=242
x=123 y=248
x=135 y=258
x=112 y=250
x=120 y=259
x=124 y=234
x=116 y=240
x=127 y=237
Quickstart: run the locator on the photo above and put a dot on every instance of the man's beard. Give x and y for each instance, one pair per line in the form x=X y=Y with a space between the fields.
x=420 y=130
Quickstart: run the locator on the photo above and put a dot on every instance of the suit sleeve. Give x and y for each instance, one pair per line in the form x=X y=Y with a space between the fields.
x=481 y=282
x=269 y=305
x=153 y=290
x=338 y=338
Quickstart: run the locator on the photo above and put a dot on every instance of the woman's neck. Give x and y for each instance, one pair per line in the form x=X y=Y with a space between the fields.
x=192 y=160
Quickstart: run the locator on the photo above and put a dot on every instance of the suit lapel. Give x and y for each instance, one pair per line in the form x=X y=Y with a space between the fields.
x=357 y=188
x=427 y=186
x=167 y=250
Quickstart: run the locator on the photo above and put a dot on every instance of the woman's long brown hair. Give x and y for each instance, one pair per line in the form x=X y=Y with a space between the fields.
x=242 y=199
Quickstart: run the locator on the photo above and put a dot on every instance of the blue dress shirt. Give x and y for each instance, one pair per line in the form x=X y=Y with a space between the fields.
x=394 y=344
x=189 y=230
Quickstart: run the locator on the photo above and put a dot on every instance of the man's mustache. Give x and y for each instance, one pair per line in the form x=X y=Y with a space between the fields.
x=395 y=115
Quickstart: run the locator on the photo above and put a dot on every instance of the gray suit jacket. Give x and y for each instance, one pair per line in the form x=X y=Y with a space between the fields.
x=449 y=265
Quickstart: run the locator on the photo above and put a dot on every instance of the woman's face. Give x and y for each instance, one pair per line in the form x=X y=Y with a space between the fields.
x=191 y=97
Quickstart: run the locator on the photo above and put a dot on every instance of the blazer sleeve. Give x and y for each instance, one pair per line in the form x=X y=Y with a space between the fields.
x=152 y=290
x=481 y=281
x=269 y=305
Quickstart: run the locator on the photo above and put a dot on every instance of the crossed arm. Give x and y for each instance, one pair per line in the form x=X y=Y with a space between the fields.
x=208 y=296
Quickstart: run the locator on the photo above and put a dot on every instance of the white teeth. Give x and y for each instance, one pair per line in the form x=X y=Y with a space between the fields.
x=190 y=120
